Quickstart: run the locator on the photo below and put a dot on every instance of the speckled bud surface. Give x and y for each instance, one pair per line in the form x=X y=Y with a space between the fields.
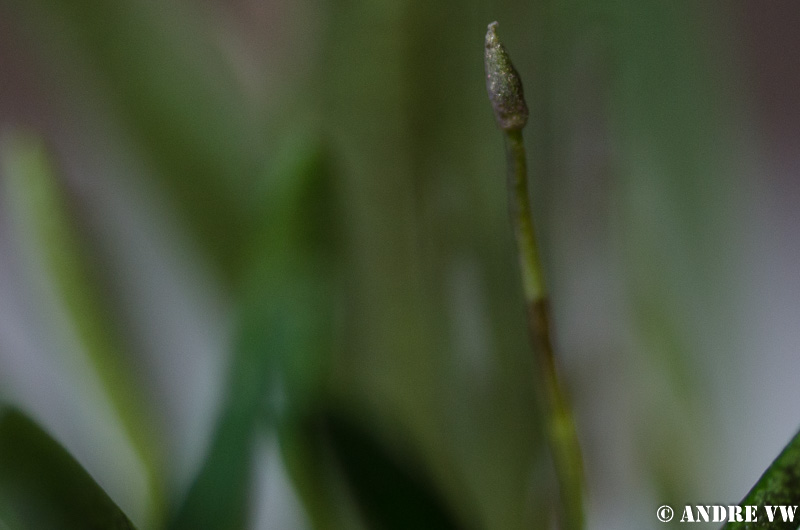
x=503 y=84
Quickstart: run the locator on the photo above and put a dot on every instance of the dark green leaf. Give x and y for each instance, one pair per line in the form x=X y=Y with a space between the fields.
x=778 y=486
x=42 y=486
x=392 y=491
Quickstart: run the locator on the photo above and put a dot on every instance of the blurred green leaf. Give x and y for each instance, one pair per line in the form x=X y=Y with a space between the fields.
x=404 y=94
x=778 y=486
x=42 y=208
x=176 y=96
x=676 y=168
x=282 y=342
x=391 y=490
x=276 y=356
x=42 y=486
x=307 y=460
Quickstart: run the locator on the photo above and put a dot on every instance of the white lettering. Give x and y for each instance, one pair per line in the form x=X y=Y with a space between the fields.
x=734 y=514
x=787 y=512
x=719 y=514
x=771 y=512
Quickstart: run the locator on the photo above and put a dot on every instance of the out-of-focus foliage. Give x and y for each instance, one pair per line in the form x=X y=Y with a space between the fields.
x=42 y=210
x=392 y=493
x=336 y=171
x=42 y=486
x=778 y=486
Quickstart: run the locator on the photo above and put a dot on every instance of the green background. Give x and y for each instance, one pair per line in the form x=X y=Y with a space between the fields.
x=221 y=222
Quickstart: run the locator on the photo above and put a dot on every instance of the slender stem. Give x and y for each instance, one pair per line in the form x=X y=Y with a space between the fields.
x=530 y=264
x=561 y=432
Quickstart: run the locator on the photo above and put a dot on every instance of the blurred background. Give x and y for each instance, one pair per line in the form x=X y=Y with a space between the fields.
x=255 y=255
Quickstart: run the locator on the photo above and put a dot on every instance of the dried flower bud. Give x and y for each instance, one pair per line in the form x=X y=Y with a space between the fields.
x=503 y=84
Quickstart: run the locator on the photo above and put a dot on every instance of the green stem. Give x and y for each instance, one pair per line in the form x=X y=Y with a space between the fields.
x=560 y=426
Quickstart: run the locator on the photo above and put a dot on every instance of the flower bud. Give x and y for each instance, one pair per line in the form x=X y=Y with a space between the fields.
x=503 y=85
